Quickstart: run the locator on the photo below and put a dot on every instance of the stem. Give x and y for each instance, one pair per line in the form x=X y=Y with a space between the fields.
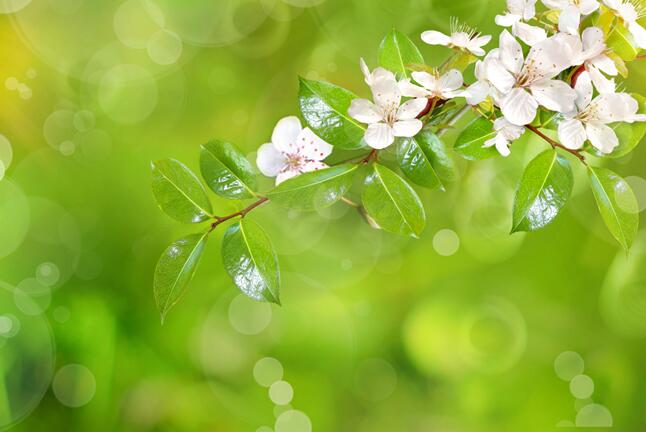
x=242 y=213
x=575 y=75
x=556 y=144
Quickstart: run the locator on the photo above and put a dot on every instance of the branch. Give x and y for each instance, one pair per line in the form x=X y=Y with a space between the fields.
x=556 y=144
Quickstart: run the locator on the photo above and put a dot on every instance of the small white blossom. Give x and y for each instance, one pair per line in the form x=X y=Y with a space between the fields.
x=462 y=37
x=524 y=84
x=506 y=134
x=519 y=11
x=630 y=11
x=292 y=151
x=593 y=57
x=432 y=85
x=571 y=12
x=387 y=117
x=482 y=88
x=590 y=118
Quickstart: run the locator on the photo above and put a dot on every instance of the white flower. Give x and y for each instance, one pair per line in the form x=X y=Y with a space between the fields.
x=525 y=85
x=482 y=88
x=571 y=12
x=519 y=11
x=593 y=56
x=506 y=133
x=433 y=85
x=462 y=37
x=589 y=120
x=387 y=117
x=630 y=11
x=292 y=151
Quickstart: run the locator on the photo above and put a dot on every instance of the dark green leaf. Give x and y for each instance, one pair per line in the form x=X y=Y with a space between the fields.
x=617 y=204
x=226 y=170
x=325 y=109
x=175 y=270
x=251 y=262
x=425 y=161
x=471 y=141
x=392 y=203
x=544 y=189
x=179 y=192
x=316 y=189
x=397 y=51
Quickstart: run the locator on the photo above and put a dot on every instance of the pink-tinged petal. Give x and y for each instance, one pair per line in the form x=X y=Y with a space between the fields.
x=385 y=92
x=364 y=111
x=269 y=160
x=615 y=107
x=554 y=55
x=529 y=34
x=519 y=107
x=310 y=166
x=605 y=64
x=554 y=95
x=588 y=6
x=507 y=20
x=285 y=134
x=426 y=79
x=407 y=128
x=499 y=76
x=602 y=137
x=638 y=32
x=511 y=53
x=601 y=83
x=408 y=89
x=379 y=136
x=411 y=109
x=452 y=80
x=433 y=37
x=572 y=134
x=569 y=20
x=286 y=175
x=583 y=89
x=312 y=147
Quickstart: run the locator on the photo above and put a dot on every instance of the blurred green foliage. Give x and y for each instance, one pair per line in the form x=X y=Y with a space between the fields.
x=456 y=331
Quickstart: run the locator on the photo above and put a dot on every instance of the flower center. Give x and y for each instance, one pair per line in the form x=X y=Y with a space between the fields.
x=294 y=161
x=589 y=114
x=390 y=113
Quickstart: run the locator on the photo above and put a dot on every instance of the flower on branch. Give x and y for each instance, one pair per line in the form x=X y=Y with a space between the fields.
x=593 y=57
x=432 y=85
x=518 y=12
x=571 y=12
x=590 y=118
x=506 y=133
x=387 y=117
x=293 y=150
x=462 y=37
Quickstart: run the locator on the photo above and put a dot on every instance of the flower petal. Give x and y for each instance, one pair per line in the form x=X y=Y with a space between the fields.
x=529 y=34
x=593 y=41
x=615 y=107
x=407 y=128
x=426 y=79
x=553 y=55
x=572 y=134
x=433 y=37
x=556 y=4
x=285 y=134
x=310 y=166
x=366 y=71
x=476 y=93
x=601 y=83
x=588 y=6
x=602 y=137
x=507 y=20
x=385 y=92
x=364 y=111
x=379 y=136
x=499 y=76
x=286 y=175
x=554 y=95
x=408 y=89
x=604 y=64
x=452 y=80
x=638 y=32
x=519 y=107
x=411 y=109
x=312 y=147
x=511 y=53
x=583 y=89
x=269 y=160
x=569 y=20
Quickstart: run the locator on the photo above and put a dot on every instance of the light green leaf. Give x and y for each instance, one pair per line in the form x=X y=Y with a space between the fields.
x=315 y=190
x=617 y=204
x=226 y=170
x=397 y=51
x=471 y=141
x=175 y=270
x=251 y=262
x=325 y=109
x=392 y=203
x=425 y=161
x=179 y=192
x=544 y=189
x=622 y=42
x=629 y=134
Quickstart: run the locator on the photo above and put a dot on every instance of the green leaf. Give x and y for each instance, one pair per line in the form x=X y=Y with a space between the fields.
x=227 y=171
x=175 y=270
x=425 y=161
x=392 y=203
x=179 y=192
x=622 y=42
x=397 y=51
x=617 y=204
x=251 y=262
x=629 y=134
x=544 y=189
x=316 y=189
x=325 y=109
x=471 y=141
x=460 y=61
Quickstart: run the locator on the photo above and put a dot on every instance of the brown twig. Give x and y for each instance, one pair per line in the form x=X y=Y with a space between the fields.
x=556 y=144
x=242 y=213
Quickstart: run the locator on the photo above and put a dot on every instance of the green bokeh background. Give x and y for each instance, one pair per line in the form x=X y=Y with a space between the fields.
x=376 y=333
